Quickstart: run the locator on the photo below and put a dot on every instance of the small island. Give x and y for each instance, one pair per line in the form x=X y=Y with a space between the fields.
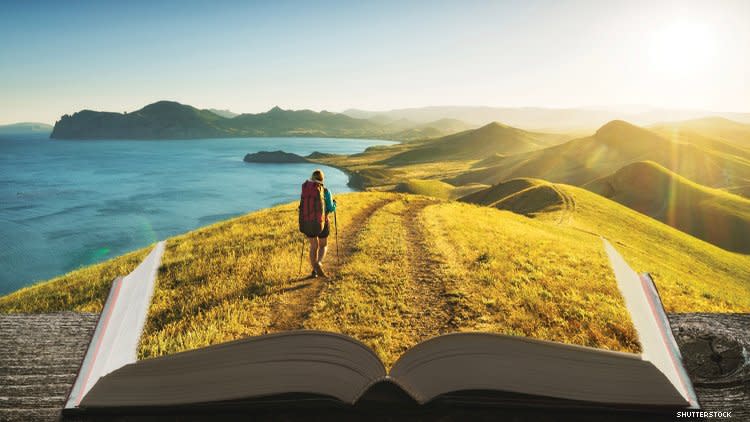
x=274 y=157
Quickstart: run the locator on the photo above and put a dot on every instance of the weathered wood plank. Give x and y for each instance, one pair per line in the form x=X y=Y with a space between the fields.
x=50 y=347
x=716 y=351
x=39 y=357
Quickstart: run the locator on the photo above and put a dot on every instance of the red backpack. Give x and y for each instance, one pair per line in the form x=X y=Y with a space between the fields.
x=312 y=212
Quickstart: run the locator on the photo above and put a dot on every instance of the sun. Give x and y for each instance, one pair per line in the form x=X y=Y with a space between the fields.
x=682 y=49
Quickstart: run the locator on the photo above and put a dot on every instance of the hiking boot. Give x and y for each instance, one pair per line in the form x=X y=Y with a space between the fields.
x=319 y=270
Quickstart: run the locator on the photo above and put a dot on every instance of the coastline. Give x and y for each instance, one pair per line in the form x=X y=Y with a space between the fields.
x=355 y=181
x=206 y=176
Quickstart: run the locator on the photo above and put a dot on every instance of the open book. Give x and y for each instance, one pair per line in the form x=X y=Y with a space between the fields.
x=303 y=367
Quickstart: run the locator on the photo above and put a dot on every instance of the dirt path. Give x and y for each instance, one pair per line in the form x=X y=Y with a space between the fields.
x=292 y=309
x=568 y=206
x=427 y=297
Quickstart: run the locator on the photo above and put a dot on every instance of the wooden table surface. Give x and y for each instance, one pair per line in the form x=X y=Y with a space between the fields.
x=40 y=354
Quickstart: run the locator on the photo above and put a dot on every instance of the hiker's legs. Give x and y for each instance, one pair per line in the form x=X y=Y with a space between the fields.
x=313 y=251
x=322 y=248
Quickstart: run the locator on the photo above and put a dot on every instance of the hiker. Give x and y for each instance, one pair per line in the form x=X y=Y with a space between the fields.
x=315 y=205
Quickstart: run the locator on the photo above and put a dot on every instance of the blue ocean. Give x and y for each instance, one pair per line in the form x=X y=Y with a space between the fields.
x=66 y=204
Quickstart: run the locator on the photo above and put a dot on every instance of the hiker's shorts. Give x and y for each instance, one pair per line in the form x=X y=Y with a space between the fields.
x=326 y=231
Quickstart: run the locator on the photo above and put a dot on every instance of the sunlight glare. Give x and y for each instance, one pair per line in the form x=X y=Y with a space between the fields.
x=682 y=49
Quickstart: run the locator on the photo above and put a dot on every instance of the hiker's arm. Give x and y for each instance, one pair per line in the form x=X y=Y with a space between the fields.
x=330 y=204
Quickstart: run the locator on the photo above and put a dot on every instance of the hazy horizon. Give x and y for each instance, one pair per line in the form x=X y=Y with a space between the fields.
x=107 y=56
x=631 y=110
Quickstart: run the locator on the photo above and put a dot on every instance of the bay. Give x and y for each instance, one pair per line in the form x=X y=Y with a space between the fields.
x=68 y=203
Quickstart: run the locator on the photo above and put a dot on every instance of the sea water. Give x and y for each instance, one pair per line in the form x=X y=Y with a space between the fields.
x=70 y=203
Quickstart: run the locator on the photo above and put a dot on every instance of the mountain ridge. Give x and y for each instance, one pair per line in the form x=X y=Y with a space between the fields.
x=547 y=118
x=614 y=145
x=172 y=120
x=492 y=138
x=710 y=214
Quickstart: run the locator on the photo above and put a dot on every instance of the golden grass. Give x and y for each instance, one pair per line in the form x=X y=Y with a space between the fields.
x=418 y=267
x=412 y=272
x=370 y=300
x=514 y=275
x=225 y=281
x=434 y=188
x=692 y=275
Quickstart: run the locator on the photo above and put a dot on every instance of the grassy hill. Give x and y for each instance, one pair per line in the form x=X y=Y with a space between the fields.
x=711 y=127
x=171 y=120
x=436 y=160
x=523 y=196
x=24 y=128
x=435 y=188
x=413 y=267
x=690 y=273
x=475 y=144
x=580 y=162
x=726 y=137
x=710 y=214
x=613 y=146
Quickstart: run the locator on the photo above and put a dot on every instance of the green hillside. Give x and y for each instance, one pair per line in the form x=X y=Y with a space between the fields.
x=579 y=162
x=413 y=267
x=435 y=188
x=523 y=196
x=475 y=144
x=711 y=127
x=690 y=273
x=171 y=120
x=613 y=146
x=710 y=214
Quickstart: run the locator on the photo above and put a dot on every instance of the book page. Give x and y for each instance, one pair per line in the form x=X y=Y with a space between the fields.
x=648 y=316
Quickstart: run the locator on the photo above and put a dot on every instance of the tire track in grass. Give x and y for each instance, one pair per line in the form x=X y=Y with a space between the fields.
x=295 y=302
x=568 y=206
x=431 y=312
x=389 y=295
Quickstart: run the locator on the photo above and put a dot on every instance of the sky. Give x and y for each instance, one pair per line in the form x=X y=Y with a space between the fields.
x=60 y=57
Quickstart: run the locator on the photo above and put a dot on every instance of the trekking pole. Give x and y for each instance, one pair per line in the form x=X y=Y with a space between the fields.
x=336 y=226
x=301 y=257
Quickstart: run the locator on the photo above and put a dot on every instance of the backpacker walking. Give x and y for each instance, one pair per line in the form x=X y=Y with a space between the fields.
x=314 y=206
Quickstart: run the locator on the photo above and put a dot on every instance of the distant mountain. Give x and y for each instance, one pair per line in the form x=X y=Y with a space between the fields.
x=25 y=128
x=716 y=128
x=544 y=119
x=710 y=214
x=160 y=120
x=224 y=113
x=613 y=146
x=473 y=144
x=408 y=130
x=171 y=120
